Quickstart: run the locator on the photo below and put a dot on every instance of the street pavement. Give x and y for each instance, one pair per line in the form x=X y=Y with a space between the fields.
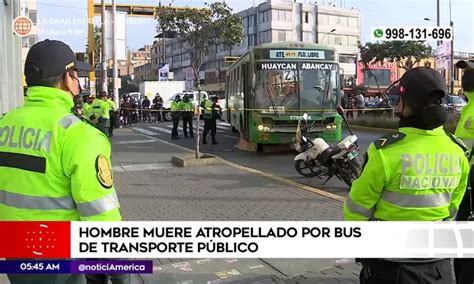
x=279 y=164
x=150 y=188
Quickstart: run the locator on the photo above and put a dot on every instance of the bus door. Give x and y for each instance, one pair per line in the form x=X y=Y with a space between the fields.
x=246 y=88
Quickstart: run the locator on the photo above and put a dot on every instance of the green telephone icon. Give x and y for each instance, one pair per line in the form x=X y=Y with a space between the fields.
x=378 y=33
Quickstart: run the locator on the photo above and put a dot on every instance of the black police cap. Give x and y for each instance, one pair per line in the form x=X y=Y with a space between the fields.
x=51 y=58
x=420 y=85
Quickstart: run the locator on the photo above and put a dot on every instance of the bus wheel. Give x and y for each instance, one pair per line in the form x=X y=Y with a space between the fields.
x=259 y=148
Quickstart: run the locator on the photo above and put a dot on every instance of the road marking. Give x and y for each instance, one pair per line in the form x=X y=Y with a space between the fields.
x=161 y=129
x=268 y=175
x=144 y=131
x=142 y=167
x=135 y=141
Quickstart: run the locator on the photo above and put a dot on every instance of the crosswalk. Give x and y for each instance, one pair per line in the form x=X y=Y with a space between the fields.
x=166 y=128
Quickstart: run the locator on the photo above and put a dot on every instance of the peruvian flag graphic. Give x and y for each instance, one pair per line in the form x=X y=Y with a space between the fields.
x=35 y=239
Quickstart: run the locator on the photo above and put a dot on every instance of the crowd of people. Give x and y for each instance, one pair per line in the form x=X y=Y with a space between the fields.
x=141 y=110
x=352 y=102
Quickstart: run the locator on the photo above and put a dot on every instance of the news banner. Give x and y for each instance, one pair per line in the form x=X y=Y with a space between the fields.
x=80 y=247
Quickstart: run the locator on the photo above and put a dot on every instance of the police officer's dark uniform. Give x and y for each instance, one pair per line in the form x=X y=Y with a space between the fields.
x=464 y=267
x=146 y=110
x=187 y=113
x=393 y=186
x=211 y=112
x=158 y=106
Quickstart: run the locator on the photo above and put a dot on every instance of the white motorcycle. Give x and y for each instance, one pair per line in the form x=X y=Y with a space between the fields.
x=319 y=159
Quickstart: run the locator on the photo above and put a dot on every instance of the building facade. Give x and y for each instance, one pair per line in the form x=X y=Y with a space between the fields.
x=276 y=21
x=29 y=8
x=141 y=57
x=11 y=67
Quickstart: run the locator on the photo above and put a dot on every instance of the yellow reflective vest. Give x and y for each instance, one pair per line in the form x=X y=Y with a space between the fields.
x=112 y=106
x=465 y=127
x=415 y=175
x=101 y=108
x=53 y=165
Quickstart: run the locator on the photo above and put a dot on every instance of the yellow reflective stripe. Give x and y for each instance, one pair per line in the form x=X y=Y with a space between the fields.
x=69 y=120
x=98 y=206
x=417 y=201
x=22 y=201
x=356 y=208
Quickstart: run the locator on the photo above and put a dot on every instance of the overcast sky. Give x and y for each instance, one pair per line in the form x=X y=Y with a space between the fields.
x=67 y=20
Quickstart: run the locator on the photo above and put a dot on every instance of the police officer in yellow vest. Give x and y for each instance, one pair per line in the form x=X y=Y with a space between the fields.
x=87 y=109
x=418 y=174
x=211 y=112
x=464 y=268
x=54 y=166
x=187 y=113
x=113 y=115
x=175 y=114
x=101 y=110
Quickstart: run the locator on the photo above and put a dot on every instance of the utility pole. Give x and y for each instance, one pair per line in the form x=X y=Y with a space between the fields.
x=114 y=47
x=452 y=49
x=90 y=44
x=104 y=59
x=437 y=20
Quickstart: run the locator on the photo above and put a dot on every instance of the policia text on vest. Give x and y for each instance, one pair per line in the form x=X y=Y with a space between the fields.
x=435 y=171
x=54 y=165
x=25 y=138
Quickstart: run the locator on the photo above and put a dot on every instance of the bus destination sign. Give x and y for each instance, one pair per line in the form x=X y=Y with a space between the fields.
x=294 y=66
x=296 y=54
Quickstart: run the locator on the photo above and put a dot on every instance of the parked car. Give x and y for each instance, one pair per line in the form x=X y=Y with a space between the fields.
x=192 y=94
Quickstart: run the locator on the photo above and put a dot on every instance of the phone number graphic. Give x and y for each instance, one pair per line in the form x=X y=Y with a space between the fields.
x=412 y=33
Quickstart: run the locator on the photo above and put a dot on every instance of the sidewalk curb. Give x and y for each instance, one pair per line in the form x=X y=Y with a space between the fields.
x=264 y=174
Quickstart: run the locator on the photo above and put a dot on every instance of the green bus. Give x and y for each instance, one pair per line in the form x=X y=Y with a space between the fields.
x=272 y=85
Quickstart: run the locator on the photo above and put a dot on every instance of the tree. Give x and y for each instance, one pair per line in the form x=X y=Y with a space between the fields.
x=405 y=53
x=128 y=85
x=199 y=29
x=97 y=44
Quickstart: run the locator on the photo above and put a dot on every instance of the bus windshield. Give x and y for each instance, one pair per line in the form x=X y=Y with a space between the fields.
x=287 y=90
x=279 y=89
x=318 y=89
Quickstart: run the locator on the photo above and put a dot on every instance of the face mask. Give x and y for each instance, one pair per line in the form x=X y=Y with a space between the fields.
x=78 y=84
